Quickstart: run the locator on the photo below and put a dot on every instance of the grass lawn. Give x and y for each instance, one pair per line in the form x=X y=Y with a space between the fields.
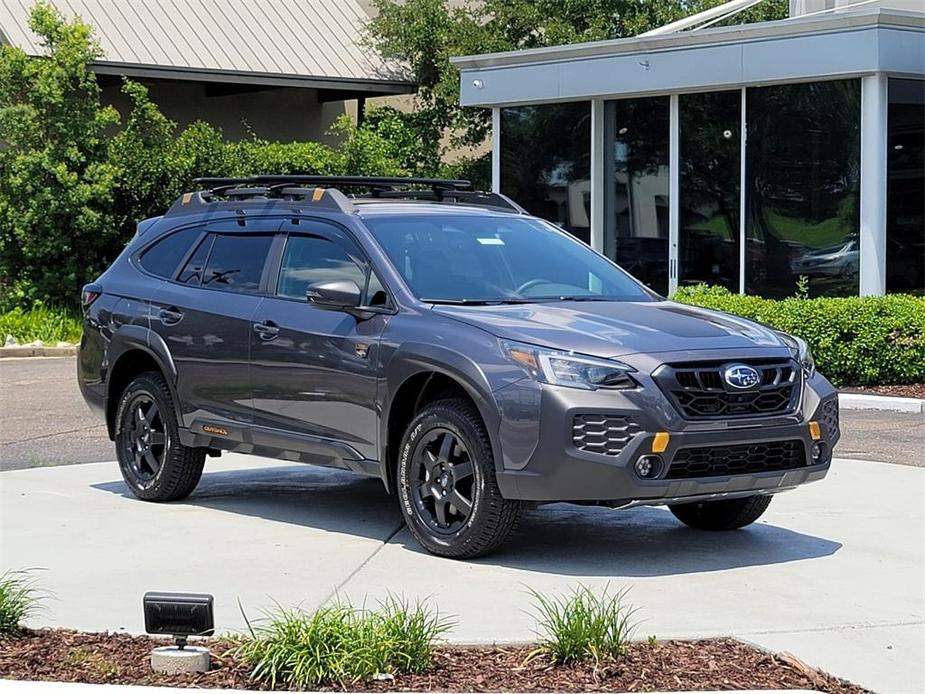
x=50 y=325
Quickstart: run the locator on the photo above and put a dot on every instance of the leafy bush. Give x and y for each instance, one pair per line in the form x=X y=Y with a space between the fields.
x=341 y=644
x=18 y=599
x=583 y=626
x=855 y=340
x=49 y=325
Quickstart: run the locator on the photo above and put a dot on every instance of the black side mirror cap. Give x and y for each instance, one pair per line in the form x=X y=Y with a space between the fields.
x=334 y=295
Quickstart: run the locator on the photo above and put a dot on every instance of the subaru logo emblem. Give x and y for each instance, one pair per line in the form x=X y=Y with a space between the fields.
x=741 y=376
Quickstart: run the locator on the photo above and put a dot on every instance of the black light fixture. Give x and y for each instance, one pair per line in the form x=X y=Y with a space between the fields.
x=180 y=615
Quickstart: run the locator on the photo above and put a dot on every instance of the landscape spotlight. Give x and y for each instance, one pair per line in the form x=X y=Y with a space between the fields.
x=180 y=615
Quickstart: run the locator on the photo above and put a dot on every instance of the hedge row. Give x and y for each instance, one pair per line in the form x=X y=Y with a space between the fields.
x=856 y=341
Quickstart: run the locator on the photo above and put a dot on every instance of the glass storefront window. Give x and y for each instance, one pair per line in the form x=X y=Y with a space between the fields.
x=905 y=188
x=802 y=196
x=710 y=156
x=636 y=137
x=546 y=162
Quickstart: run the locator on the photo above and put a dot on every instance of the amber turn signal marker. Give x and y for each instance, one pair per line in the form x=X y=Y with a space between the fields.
x=814 y=431
x=660 y=442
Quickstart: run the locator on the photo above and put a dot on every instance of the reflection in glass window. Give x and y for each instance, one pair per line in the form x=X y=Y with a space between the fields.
x=195 y=267
x=802 y=168
x=497 y=259
x=546 y=162
x=905 y=209
x=236 y=262
x=311 y=259
x=163 y=257
x=636 y=215
x=710 y=150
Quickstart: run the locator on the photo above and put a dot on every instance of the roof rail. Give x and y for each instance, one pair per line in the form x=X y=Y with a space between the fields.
x=328 y=191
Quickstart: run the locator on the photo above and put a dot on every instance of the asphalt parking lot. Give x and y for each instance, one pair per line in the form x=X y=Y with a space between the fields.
x=44 y=422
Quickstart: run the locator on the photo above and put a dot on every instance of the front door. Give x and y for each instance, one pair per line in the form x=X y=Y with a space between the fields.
x=314 y=371
x=204 y=314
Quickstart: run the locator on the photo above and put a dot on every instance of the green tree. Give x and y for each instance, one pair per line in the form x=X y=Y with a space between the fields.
x=422 y=35
x=54 y=168
x=75 y=178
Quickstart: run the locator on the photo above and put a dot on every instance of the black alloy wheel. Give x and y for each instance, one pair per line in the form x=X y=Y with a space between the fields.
x=145 y=438
x=154 y=463
x=443 y=481
x=447 y=483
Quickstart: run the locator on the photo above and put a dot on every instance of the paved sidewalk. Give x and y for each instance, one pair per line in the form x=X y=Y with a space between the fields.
x=834 y=572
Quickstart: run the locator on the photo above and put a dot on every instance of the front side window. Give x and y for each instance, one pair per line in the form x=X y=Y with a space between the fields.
x=163 y=257
x=236 y=262
x=462 y=258
x=311 y=259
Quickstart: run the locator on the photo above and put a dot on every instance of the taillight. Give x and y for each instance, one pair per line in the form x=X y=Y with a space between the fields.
x=89 y=294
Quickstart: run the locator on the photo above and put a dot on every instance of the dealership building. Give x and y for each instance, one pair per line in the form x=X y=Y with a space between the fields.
x=747 y=156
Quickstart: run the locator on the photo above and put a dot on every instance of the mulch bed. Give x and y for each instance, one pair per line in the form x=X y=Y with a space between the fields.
x=673 y=665
x=914 y=390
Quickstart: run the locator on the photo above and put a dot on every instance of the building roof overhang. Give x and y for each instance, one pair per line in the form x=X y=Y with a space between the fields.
x=829 y=46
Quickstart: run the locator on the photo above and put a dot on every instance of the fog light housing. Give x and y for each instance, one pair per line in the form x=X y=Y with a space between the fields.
x=180 y=615
x=648 y=467
x=818 y=452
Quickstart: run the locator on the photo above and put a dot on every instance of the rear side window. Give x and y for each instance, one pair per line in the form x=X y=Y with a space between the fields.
x=163 y=257
x=310 y=259
x=236 y=262
x=195 y=267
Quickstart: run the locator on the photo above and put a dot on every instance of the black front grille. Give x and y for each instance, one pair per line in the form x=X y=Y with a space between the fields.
x=741 y=459
x=602 y=433
x=699 y=392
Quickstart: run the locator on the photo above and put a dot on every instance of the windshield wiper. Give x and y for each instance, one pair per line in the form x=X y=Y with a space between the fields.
x=483 y=302
x=585 y=298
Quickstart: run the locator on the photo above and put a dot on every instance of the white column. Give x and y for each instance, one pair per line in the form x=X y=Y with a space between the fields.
x=873 y=184
x=674 y=191
x=496 y=150
x=599 y=186
x=743 y=143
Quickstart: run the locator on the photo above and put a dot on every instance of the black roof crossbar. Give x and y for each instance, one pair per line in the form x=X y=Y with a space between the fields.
x=371 y=182
x=328 y=191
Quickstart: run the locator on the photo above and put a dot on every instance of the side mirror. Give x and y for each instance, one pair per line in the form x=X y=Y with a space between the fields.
x=334 y=295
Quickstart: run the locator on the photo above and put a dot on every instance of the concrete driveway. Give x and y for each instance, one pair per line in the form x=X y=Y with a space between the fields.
x=833 y=572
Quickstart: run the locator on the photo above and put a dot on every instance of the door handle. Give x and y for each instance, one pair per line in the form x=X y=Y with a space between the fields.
x=267 y=330
x=170 y=316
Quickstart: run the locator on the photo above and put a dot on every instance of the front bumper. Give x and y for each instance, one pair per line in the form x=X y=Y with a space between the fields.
x=541 y=462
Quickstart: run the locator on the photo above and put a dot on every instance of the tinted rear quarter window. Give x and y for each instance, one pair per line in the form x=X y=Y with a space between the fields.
x=236 y=262
x=163 y=257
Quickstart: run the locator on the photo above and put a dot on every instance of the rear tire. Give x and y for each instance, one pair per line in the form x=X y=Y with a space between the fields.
x=154 y=464
x=726 y=514
x=446 y=482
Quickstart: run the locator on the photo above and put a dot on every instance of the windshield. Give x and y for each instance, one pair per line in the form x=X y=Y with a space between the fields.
x=488 y=259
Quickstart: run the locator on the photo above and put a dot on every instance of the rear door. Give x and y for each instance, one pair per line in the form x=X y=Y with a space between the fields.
x=204 y=314
x=314 y=372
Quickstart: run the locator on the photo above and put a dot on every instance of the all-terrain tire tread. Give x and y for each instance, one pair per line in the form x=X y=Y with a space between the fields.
x=501 y=515
x=183 y=465
x=726 y=514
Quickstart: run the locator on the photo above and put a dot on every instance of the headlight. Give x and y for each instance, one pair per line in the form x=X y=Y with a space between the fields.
x=567 y=369
x=801 y=353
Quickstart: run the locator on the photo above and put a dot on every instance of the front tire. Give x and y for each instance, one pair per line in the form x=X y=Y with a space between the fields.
x=154 y=464
x=447 y=487
x=725 y=514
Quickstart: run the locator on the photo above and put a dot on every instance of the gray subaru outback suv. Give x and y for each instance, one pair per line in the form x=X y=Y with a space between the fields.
x=476 y=359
